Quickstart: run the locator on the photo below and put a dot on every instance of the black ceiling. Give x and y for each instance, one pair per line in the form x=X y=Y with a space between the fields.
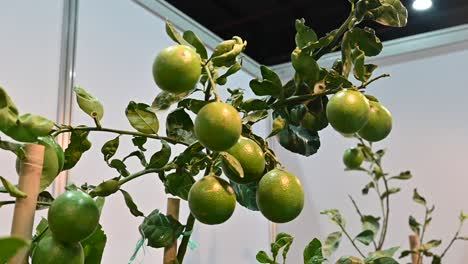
x=268 y=25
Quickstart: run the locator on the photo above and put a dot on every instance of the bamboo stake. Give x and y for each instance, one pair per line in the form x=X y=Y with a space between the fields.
x=25 y=208
x=414 y=245
x=170 y=253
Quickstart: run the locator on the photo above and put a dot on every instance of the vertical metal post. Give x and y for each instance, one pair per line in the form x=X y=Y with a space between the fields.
x=66 y=79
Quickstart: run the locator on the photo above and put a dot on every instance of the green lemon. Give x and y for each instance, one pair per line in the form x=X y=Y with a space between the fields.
x=251 y=158
x=348 y=111
x=177 y=69
x=51 y=251
x=353 y=158
x=379 y=125
x=280 y=196
x=73 y=216
x=218 y=126
x=212 y=200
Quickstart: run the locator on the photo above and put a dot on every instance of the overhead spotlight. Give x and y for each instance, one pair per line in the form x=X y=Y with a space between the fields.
x=422 y=4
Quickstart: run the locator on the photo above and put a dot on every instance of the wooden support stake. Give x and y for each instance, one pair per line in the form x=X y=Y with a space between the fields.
x=25 y=208
x=170 y=253
x=415 y=245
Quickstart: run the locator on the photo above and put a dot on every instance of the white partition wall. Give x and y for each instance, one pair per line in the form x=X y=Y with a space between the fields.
x=427 y=96
x=29 y=70
x=117 y=42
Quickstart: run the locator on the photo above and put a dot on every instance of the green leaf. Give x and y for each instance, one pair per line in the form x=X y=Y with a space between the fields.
x=390 y=192
x=322 y=42
x=255 y=116
x=174 y=34
x=389 y=13
x=406 y=175
x=142 y=118
x=370 y=222
x=265 y=87
x=139 y=142
x=418 y=198
x=365 y=237
x=463 y=216
x=306 y=66
x=8 y=111
x=385 y=260
x=221 y=80
x=349 y=260
x=131 y=204
x=254 y=105
x=164 y=100
x=278 y=125
x=362 y=72
x=12 y=189
x=191 y=104
x=179 y=184
x=29 y=127
x=436 y=259
x=110 y=148
x=367 y=41
x=195 y=41
x=304 y=34
x=139 y=154
x=160 y=230
x=387 y=253
x=179 y=126
x=405 y=253
x=237 y=95
x=299 y=140
x=231 y=164
x=262 y=257
x=226 y=52
x=246 y=194
x=414 y=224
x=89 y=104
x=335 y=216
x=9 y=246
x=119 y=166
x=94 y=245
x=268 y=74
x=160 y=158
x=462 y=238
x=17 y=149
x=79 y=144
x=313 y=252
x=332 y=243
x=430 y=245
x=366 y=188
x=281 y=240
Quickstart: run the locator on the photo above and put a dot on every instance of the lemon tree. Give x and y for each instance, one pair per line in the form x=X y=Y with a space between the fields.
x=219 y=161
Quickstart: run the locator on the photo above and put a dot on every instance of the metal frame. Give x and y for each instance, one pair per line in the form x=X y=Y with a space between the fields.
x=66 y=80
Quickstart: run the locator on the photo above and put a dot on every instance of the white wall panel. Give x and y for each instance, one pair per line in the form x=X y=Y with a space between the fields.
x=29 y=70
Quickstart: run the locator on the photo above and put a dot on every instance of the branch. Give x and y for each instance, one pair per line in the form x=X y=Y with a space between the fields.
x=212 y=83
x=352 y=241
x=121 y=132
x=138 y=174
x=364 y=85
x=455 y=237
x=341 y=30
x=362 y=216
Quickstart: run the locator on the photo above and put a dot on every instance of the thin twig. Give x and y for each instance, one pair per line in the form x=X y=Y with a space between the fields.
x=121 y=132
x=361 y=216
x=352 y=241
x=138 y=174
x=364 y=85
x=455 y=237
x=212 y=83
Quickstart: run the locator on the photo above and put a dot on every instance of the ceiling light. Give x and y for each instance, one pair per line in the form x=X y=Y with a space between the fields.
x=422 y=4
